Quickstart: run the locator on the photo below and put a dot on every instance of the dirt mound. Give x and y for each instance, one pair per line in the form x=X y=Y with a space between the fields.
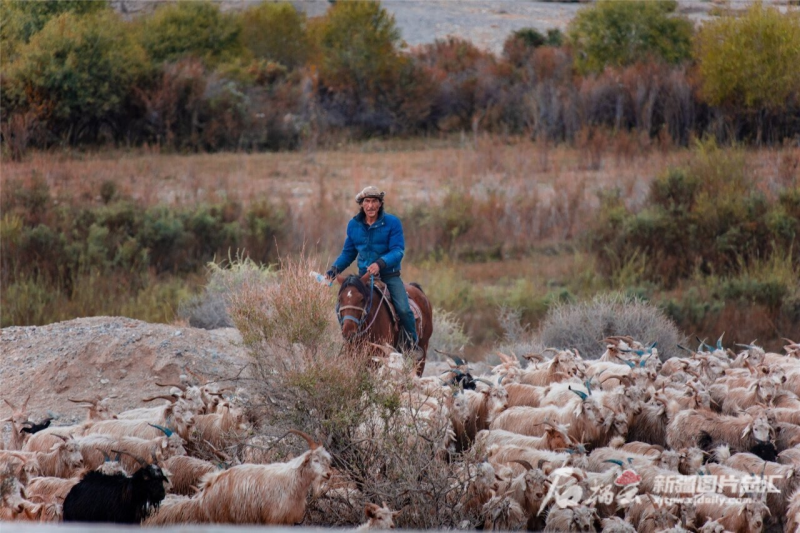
x=109 y=356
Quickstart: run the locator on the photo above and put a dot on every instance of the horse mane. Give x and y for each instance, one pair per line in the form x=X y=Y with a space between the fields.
x=357 y=284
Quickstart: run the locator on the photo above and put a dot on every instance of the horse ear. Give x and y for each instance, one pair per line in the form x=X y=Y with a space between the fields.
x=340 y=278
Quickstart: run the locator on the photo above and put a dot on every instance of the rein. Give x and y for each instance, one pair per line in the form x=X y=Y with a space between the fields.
x=364 y=312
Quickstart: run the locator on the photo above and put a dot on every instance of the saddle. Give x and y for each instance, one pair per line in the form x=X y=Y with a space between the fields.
x=387 y=298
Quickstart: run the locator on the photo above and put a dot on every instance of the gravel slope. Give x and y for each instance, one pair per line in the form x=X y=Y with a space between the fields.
x=106 y=356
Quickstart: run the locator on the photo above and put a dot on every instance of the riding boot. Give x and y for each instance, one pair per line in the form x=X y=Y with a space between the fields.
x=410 y=345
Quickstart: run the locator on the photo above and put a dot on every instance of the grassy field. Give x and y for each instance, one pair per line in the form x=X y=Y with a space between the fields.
x=490 y=222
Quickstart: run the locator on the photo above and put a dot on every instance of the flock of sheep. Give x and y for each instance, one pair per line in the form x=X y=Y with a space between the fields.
x=708 y=443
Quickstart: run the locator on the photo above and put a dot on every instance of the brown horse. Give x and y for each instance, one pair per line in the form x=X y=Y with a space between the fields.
x=365 y=317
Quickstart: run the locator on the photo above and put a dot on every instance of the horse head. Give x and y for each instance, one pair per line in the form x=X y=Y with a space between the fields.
x=353 y=305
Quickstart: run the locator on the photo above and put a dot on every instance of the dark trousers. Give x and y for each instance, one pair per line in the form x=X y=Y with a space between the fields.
x=400 y=300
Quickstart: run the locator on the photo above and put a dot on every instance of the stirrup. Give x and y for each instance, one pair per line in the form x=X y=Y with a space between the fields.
x=415 y=351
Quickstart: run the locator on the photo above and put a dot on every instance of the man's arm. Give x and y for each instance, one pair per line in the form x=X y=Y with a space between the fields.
x=348 y=255
x=397 y=247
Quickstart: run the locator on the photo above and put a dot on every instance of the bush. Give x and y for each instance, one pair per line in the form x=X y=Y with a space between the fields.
x=750 y=61
x=519 y=46
x=91 y=85
x=22 y=20
x=276 y=32
x=209 y=310
x=448 y=334
x=706 y=218
x=356 y=49
x=584 y=325
x=467 y=82
x=191 y=29
x=295 y=310
x=617 y=34
x=379 y=440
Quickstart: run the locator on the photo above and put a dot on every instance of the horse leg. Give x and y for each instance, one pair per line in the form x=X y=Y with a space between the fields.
x=420 y=364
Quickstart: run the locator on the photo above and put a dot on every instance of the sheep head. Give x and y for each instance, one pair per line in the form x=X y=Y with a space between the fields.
x=754 y=512
x=380 y=517
x=317 y=460
x=584 y=518
x=69 y=454
x=760 y=428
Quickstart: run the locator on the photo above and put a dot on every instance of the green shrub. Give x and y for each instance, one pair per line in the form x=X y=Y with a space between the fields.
x=89 y=85
x=356 y=48
x=704 y=218
x=617 y=34
x=530 y=37
x=198 y=29
x=523 y=41
x=275 y=31
x=750 y=61
x=22 y=20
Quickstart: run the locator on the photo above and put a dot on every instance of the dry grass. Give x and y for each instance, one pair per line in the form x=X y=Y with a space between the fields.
x=525 y=202
x=412 y=172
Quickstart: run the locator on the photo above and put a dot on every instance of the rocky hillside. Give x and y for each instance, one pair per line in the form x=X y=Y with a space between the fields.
x=106 y=356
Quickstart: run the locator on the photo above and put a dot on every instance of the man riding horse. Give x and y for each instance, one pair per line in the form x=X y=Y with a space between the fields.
x=376 y=238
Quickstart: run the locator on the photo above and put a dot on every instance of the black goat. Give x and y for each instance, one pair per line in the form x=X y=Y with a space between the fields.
x=116 y=498
x=32 y=427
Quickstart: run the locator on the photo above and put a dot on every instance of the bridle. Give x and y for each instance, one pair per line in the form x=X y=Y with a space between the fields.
x=365 y=312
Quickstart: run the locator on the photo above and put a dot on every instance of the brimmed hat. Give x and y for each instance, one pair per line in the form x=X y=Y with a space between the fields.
x=369 y=192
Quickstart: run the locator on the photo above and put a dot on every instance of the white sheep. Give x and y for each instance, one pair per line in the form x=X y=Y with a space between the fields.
x=378 y=517
x=265 y=494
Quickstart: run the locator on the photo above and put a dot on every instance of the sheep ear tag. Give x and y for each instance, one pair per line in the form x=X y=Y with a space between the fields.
x=628 y=477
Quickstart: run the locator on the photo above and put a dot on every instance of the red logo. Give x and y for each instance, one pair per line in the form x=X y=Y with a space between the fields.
x=628 y=477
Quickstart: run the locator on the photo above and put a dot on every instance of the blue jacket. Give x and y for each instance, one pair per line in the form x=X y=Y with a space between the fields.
x=381 y=243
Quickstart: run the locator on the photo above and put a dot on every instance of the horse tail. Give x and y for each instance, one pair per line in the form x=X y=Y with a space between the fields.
x=417 y=285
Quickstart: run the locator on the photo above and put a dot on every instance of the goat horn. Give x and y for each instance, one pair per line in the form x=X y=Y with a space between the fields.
x=484 y=381
x=181 y=386
x=11 y=405
x=652 y=500
x=582 y=395
x=311 y=443
x=92 y=401
x=138 y=459
x=173 y=399
x=446 y=354
x=221 y=456
x=385 y=349
x=524 y=463
x=198 y=376
x=503 y=357
x=25 y=403
x=167 y=431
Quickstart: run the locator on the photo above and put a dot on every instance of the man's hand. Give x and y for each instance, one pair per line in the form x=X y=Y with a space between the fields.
x=374 y=269
x=330 y=274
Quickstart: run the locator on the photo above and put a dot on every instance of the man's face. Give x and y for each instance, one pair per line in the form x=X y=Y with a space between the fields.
x=371 y=206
